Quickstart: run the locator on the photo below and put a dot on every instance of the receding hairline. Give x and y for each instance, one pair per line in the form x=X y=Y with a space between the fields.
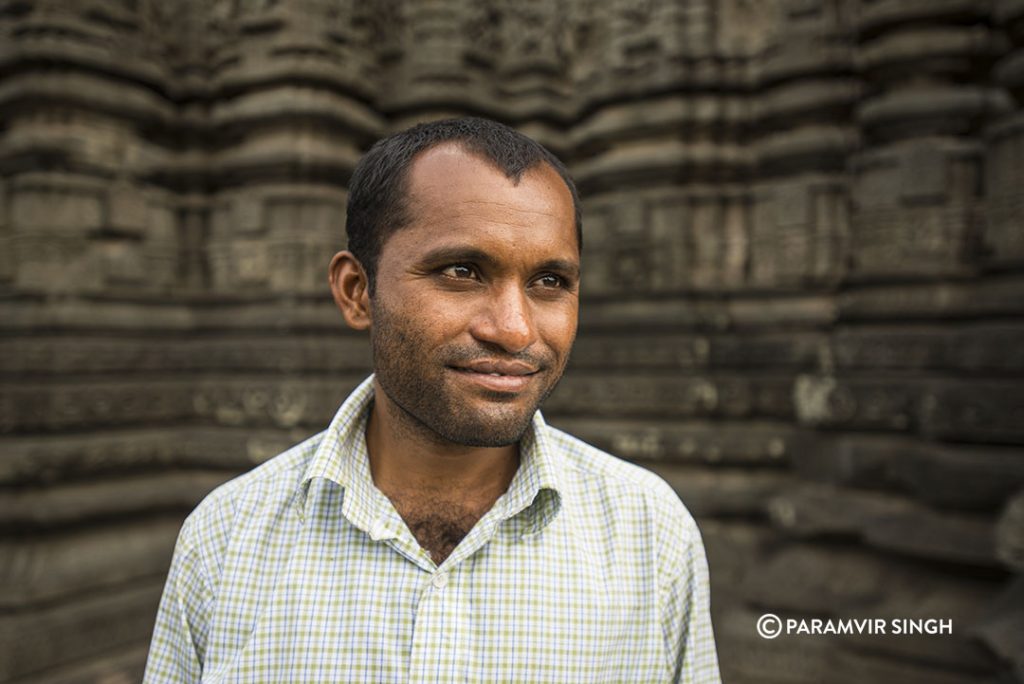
x=463 y=149
x=467 y=150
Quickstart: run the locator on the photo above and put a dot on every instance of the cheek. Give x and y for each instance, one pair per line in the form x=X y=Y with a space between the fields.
x=432 y=317
x=558 y=327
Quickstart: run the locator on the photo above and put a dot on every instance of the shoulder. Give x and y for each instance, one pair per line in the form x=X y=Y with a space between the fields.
x=624 y=490
x=258 y=493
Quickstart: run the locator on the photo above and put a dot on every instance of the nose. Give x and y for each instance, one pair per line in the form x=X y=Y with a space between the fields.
x=506 y=319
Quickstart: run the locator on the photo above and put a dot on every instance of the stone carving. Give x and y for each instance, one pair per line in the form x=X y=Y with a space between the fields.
x=801 y=299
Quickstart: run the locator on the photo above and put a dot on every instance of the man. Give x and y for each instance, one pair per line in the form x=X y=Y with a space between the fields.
x=439 y=530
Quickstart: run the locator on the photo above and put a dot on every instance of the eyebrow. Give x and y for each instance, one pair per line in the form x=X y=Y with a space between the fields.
x=453 y=254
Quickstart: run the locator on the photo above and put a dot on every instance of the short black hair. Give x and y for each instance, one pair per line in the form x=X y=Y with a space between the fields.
x=378 y=192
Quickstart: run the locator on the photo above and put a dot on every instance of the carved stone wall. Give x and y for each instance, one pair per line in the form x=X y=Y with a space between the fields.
x=803 y=295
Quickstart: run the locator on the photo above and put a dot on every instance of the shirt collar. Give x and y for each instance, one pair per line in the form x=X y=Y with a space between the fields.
x=533 y=497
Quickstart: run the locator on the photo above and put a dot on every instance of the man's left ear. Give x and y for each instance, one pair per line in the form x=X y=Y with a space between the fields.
x=350 y=288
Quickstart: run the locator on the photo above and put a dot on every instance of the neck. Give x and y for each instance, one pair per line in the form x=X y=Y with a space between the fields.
x=407 y=457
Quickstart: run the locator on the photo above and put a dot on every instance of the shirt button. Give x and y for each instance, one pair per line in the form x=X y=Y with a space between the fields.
x=440 y=580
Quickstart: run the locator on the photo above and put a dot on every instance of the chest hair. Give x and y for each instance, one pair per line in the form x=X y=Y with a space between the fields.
x=437 y=525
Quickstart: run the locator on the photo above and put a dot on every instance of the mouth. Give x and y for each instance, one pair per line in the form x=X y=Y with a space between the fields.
x=499 y=376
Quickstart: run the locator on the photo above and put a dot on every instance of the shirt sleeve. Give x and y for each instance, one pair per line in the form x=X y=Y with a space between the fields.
x=179 y=638
x=686 y=618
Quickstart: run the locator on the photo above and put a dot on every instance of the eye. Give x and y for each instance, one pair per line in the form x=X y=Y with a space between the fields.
x=459 y=271
x=550 y=280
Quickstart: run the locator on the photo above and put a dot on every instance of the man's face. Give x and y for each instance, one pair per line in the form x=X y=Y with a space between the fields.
x=476 y=300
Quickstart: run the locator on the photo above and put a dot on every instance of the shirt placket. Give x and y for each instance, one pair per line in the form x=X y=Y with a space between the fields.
x=436 y=639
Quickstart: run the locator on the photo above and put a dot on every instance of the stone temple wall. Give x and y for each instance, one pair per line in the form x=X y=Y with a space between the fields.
x=803 y=296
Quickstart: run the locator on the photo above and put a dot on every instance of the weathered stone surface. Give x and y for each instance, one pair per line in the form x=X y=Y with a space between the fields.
x=51 y=407
x=997 y=348
x=802 y=262
x=718 y=493
x=49 y=567
x=1003 y=175
x=885 y=522
x=785 y=660
x=943 y=537
x=65 y=633
x=912 y=594
x=797 y=350
x=968 y=410
x=850 y=667
x=123 y=666
x=127 y=497
x=1002 y=627
x=993 y=297
x=680 y=397
x=1010 y=534
x=260 y=400
x=817 y=581
x=44 y=460
x=83 y=354
x=975 y=411
x=845 y=583
x=953 y=476
x=733 y=547
x=742 y=443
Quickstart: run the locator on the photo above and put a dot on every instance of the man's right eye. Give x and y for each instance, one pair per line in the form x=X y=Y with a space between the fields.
x=459 y=271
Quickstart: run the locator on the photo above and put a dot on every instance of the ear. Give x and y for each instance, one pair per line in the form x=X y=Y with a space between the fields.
x=350 y=288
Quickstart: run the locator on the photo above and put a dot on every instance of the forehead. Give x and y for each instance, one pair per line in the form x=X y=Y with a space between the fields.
x=456 y=194
x=449 y=173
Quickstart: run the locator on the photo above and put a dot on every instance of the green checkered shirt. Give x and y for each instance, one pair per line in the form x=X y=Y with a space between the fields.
x=588 y=569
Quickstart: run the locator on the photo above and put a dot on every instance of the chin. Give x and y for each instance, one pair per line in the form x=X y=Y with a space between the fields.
x=485 y=433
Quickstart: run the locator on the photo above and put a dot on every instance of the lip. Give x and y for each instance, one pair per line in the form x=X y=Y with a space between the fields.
x=498 y=366
x=513 y=376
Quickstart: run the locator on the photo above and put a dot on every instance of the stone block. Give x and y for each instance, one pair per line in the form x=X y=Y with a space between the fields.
x=982 y=410
x=735 y=550
x=917 y=593
x=127 y=209
x=857 y=403
x=717 y=492
x=67 y=632
x=948 y=476
x=1004 y=173
x=918 y=531
x=994 y=297
x=851 y=667
x=847 y=582
x=819 y=580
x=978 y=348
x=247 y=214
x=124 y=665
x=55 y=263
x=1001 y=628
x=740 y=443
x=35 y=461
x=35 y=407
x=47 y=568
x=749 y=658
x=1010 y=534
x=283 y=403
x=639 y=395
x=125 y=498
x=885 y=522
x=57 y=203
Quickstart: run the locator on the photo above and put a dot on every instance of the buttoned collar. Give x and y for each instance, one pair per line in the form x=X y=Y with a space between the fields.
x=341 y=459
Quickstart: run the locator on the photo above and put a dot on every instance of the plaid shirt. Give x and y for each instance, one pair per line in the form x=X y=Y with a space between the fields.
x=588 y=569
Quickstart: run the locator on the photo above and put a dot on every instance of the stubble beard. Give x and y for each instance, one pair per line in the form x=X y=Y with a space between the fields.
x=427 y=404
